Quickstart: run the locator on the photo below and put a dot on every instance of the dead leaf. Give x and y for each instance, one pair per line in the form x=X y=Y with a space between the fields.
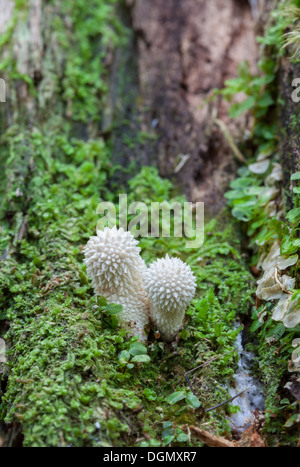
x=251 y=439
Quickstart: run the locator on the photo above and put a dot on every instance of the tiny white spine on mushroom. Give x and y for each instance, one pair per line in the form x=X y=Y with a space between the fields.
x=170 y=285
x=115 y=267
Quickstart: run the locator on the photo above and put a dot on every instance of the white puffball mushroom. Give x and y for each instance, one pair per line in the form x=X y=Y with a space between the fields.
x=113 y=261
x=162 y=292
x=115 y=267
x=170 y=285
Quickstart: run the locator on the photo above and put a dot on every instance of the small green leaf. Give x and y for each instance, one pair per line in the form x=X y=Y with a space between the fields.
x=284 y=401
x=137 y=349
x=37 y=261
x=255 y=326
x=101 y=301
x=295 y=176
x=294 y=215
x=218 y=329
x=124 y=356
x=182 y=438
x=237 y=109
x=277 y=332
x=193 y=401
x=167 y=425
x=175 y=397
x=266 y=100
x=292 y=420
x=168 y=440
x=150 y=394
x=168 y=432
x=114 y=309
x=289 y=245
x=185 y=334
x=141 y=359
x=241 y=214
x=233 y=194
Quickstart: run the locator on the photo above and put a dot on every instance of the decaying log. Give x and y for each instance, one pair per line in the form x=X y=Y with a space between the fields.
x=186 y=49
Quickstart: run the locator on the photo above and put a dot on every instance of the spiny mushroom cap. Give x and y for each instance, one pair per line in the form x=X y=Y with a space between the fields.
x=113 y=262
x=170 y=284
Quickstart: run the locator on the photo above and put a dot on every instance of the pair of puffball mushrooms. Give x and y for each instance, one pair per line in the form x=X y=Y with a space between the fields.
x=159 y=294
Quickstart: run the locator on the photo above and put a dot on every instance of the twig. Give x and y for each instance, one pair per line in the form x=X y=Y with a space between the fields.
x=280 y=284
x=22 y=229
x=230 y=141
x=184 y=159
x=209 y=361
x=229 y=400
x=211 y=440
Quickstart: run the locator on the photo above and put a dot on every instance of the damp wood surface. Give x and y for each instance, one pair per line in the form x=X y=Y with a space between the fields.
x=185 y=50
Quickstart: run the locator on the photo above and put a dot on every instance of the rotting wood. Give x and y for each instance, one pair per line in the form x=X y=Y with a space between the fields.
x=185 y=50
x=290 y=119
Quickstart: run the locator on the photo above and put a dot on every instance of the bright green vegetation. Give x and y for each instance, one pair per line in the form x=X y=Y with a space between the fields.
x=73 y=377
x=68 y=370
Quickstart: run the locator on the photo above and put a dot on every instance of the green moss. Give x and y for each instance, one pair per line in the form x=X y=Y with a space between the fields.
x=272 y=343
x=65 y=375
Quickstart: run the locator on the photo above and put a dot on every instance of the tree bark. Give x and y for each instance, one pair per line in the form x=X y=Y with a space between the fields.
x=185 y=50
